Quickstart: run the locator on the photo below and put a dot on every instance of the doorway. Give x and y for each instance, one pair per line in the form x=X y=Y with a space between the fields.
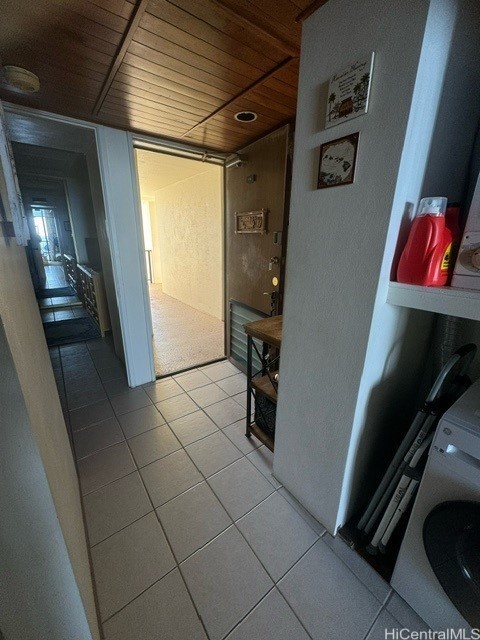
x=51 y=241
x=67 y=252
x=46 y=229
x=183 y=237
x=257 y=183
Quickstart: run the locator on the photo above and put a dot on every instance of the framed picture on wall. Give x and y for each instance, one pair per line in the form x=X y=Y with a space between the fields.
x=337 y=162
x=251 y=221
x=349 y=92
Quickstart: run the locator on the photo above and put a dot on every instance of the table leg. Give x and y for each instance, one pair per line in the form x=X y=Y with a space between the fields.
x=249 y=387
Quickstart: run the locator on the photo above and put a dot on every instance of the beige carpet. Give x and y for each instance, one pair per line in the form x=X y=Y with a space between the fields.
x=182 y=336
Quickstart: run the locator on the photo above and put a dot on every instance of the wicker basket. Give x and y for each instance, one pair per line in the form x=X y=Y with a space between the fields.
x=265 y=414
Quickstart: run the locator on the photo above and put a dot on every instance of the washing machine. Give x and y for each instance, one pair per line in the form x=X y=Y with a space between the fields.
x=438 y=568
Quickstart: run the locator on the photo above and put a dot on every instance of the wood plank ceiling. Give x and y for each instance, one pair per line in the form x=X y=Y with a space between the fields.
x=178 y=69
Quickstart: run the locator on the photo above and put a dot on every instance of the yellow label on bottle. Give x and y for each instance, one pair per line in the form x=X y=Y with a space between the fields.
x=446 y=258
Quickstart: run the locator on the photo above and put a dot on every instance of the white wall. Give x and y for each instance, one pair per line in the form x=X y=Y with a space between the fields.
x=104 y=247
x=336 y=255
x=26 y=341
x=123 y=227
x=38 y=591
x=435 y=159
x=189 y=219
x=82 y=214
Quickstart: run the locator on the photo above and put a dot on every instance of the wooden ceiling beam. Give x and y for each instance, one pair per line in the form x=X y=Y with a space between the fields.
x=242 y=94
x=307 y=12
x=137 y=14
x=256 y=28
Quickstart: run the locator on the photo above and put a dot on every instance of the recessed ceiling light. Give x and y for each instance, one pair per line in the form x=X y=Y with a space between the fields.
x=246 y=116
x=21 y=79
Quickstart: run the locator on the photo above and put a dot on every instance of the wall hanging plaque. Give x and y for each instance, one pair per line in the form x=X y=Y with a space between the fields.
x=348 y=92
x=337 y=162
x=251 y=221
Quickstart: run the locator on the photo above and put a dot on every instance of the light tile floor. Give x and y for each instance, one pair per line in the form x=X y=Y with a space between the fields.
x=55 y=276
x=191 y=535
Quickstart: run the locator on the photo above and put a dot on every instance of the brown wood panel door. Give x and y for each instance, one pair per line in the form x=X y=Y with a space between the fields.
x=263 y=182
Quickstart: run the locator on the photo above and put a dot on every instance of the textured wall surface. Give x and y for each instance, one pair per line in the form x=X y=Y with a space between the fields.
x=156 y=259
x=190 y=233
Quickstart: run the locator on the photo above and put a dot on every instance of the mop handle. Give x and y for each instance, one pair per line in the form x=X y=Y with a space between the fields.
x=390 y=472
x=420 y=451
x=405 y=501
x=402 y=489
x=465 y=353
x=414 y=481
x=403 y=481
x=427 y=425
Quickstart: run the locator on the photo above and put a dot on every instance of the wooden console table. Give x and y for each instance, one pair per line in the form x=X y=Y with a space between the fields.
x=94 y=297
x=262 y=386
x=71 y=272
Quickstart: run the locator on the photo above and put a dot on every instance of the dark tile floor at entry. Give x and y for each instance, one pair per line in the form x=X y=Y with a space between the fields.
x=191 y=535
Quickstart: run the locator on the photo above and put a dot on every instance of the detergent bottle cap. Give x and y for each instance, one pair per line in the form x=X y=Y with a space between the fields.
x=432 y=206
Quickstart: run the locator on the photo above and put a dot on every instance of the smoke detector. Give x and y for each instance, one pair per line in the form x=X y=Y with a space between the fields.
x=21 y=79
x=245 y=116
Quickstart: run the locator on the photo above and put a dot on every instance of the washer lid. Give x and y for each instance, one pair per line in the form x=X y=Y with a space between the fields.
x=451 y=535
x=465 y=412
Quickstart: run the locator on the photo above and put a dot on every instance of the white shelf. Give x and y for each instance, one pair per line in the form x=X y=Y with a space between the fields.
x=463 y=303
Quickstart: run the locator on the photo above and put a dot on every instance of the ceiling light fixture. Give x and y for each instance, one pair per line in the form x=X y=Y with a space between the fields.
x=245 y=116
x=21 y=79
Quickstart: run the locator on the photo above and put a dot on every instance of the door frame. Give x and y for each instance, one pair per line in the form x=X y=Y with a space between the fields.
x=289 y=145
x=180 y=150
x=114 y=152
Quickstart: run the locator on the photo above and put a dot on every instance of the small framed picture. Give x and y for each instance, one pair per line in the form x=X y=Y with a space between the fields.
x=251 y=221
x=337 y=162
x=349 y=91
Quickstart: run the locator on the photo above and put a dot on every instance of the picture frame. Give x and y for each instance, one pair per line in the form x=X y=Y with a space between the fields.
x=337 y=162
x=251 y=221
x=349 y=92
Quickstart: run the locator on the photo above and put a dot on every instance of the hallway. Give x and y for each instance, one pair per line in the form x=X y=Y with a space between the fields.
x=191 y=536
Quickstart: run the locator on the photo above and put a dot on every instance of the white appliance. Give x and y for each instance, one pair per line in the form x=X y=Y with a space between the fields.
x=466 y=273
x=440 y=553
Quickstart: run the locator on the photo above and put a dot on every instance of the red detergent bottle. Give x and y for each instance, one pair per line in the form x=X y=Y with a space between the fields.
x=425 y=259
x=452 y=221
